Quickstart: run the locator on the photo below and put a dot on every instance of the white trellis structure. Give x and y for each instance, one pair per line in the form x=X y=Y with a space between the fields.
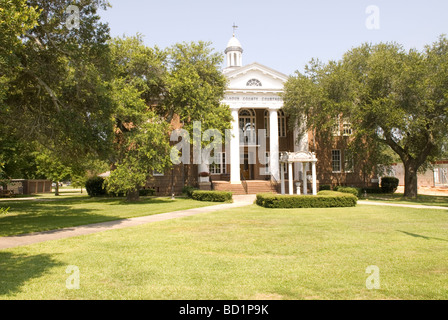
x=302 y=157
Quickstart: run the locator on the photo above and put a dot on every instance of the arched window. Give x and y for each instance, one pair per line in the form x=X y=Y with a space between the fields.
x=247 y=126
x=281 y=123
x=253 y=83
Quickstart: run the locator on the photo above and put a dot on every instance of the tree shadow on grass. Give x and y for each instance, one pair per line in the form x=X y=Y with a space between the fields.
x=17 y=269
x=421 y=236
x=123 y=201
x=38 y=216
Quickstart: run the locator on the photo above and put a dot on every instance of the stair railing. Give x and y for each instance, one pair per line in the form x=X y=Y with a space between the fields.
x=244 y=182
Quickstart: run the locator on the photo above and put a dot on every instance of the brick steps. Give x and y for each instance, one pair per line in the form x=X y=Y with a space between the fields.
x=253 y=187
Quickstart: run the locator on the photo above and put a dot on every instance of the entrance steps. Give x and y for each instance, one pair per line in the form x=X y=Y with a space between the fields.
x=253 y=187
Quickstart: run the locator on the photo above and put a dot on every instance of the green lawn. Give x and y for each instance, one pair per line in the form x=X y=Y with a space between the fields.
x=427 y=200
x=244 y=253
x=50 y=212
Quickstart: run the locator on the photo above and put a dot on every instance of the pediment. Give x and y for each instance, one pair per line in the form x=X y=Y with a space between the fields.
x=256 y=77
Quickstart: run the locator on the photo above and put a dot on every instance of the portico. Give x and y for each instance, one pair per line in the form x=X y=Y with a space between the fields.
x=259 y=130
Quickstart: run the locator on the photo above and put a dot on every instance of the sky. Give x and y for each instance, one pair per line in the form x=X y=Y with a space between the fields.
x=281 y=34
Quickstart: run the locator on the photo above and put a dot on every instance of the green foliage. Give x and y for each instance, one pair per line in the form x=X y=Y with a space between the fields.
x=4 y=210
x=16 y=18
x=324 y=187
x=188 y=191
x=394 y=99
x=141 y=143
x=324 y=199
x=389 y=184
x=195 y=87
x=213 y=196
x=49 y=166
x=355 y=191
x=146 y=192
x=95 y=187
x=58 y=90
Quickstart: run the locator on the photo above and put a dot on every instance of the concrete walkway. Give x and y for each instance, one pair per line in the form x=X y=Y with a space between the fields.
x=26 y=239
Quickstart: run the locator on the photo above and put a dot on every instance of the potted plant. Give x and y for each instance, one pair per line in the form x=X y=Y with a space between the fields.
x=203 y=176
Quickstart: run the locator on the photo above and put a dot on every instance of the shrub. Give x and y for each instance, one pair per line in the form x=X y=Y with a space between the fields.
x=389 y=184
x=188 y=191
x=95 y=187
x=324 y=199
x=325 y=187
x=146 y=192
x=355 y=191
x=214 y=196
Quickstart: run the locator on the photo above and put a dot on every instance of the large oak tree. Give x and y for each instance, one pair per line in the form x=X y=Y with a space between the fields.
x=393 y=97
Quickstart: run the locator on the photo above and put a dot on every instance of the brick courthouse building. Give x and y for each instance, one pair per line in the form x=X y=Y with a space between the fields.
x=251 y=162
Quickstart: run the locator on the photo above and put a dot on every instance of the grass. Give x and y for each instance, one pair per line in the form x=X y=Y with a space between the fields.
x=50 y=212
x=244 y=253
x=427 y=200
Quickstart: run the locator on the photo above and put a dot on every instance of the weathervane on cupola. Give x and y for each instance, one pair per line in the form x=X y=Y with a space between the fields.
x=234 y=51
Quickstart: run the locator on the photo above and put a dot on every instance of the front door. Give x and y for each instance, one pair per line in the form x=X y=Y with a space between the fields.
x=247 y=169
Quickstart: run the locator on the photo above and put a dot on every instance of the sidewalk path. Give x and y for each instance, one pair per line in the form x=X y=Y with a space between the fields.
x=417 y=206
x=26 y=239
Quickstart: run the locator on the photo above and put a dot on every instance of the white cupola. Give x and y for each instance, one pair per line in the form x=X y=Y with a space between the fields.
x=234 y=53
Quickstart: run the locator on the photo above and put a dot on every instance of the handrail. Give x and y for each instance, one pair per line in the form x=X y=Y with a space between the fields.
x=244 y=182
x=212 y=187
x=275 y=184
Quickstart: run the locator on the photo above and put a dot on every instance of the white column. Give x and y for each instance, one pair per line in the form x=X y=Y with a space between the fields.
x=235 y=149
x=313 y=170
x=273 y=144
x=304 y=182
x=290 y=178
x=282 y=178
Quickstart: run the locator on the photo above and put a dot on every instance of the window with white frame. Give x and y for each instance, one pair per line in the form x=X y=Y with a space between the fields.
x=218 y=165
x=247 y=126
x=347 y=128
x=336 y=128
x=265 y=170
x=281 y=123
x=253 y=83
x=349 y=163
x=336 y=160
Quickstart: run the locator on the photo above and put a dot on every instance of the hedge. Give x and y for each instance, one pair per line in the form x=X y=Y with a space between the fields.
x=214 y=196
x=355 y=191
x=188 y=191
x=146 y=192
x=324 y=199
x=389 y=184
x=95 y=187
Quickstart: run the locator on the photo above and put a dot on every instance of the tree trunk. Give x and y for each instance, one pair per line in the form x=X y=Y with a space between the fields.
x=410 y=180
x=133 y=195
x=56 y=189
